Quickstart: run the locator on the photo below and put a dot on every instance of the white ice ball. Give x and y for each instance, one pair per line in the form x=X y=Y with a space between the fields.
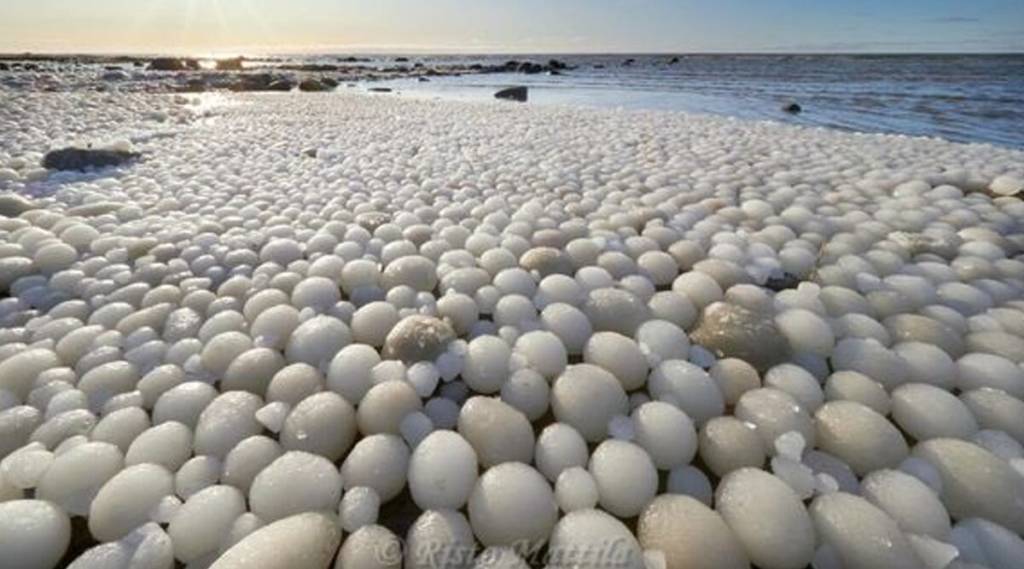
x=626 y=477
x=295 y=482
x=442 y=471
x=512 y=504
x=33 y=534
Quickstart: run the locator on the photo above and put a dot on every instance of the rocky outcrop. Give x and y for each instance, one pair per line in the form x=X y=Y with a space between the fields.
x=312 y=86
x=233 y=64
x=85 y=158
x=173 y=64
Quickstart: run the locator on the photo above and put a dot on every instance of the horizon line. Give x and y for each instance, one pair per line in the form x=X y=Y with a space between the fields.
x=338 y=50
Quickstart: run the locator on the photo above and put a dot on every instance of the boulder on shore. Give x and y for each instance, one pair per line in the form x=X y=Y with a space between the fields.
x=233 y=64
x=312 y=86
x=530 y=68
x=261 y=82
x=513 y=94
x=173 y=64
x=84 y=158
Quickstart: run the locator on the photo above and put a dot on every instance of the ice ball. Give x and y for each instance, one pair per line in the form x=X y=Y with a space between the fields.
x=512 y=504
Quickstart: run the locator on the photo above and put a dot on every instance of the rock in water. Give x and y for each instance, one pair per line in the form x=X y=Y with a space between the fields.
x=85 y=158
x=513 y=94
x=33 y=534
x=232 y=64
x=167 y=64
x=312 y=86
x=303 y=541
x=733 y=331
x=792 y=108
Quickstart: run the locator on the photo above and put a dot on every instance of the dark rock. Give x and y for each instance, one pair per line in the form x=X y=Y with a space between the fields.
x=172 y=64
x=331 y=83
x=114 y=75
x=530 y=68
x=628 y=62
x=194 y=86
x=281 y=85
x=557 y=65
x=513 y=94
x=233 y=64
x=792 y=108
x=555 y=72
x=673 y=61
x=380 y=89
x=85 y=158
x=312 y=67
x=786 y=281
x=401 y=60
x=4 y=67
x=423 y=79
x=31 y=67
x=599 y=66
x=166 y=64
x=312 y=86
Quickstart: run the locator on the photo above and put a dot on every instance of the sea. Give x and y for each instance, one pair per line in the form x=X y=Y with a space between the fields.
x=964 y=98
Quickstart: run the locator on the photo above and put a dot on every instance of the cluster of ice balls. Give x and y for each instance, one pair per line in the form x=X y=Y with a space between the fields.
x=762 y=345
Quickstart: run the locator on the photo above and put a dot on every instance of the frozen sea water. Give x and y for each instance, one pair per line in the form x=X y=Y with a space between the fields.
x=447 y=301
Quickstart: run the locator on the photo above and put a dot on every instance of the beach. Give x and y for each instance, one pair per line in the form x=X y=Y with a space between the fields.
x=287 y=323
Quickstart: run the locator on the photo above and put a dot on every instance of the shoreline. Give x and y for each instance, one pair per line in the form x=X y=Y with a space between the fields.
x=976 y=102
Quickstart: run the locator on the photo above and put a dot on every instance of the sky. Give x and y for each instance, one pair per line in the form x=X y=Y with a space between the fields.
x=513 y=26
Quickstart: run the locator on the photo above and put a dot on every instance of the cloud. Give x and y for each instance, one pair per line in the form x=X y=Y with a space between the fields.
x=953 y=20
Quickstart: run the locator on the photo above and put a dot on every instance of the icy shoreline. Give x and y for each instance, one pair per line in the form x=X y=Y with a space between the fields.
x=632 y=335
